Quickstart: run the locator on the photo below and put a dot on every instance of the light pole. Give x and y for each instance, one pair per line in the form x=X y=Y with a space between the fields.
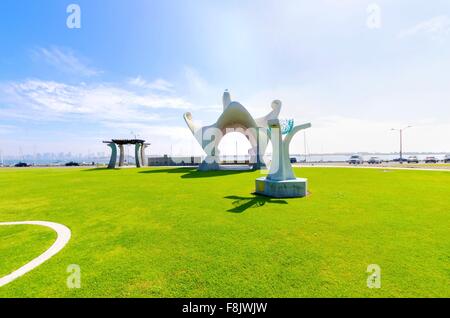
x=400 y=130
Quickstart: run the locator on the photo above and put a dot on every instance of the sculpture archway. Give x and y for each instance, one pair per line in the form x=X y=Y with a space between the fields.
x=235 y=147
x=234 y=116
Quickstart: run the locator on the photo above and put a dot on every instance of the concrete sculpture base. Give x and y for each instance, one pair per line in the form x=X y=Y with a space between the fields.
x=293 y=188
x=259 y=166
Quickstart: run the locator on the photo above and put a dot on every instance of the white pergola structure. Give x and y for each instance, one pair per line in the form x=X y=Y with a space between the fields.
x=234 y=118
x=139 y=151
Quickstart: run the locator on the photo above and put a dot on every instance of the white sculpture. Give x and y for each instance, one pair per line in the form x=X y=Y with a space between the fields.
x=281 y=168
x=236 y=118
x=281 y=181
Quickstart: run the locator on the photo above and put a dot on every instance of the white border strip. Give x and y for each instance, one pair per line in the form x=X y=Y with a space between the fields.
x=62 y=239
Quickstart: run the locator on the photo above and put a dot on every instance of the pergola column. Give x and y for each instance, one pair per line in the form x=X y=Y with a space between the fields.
x=121 y=156
x=137 y=154
x=143 y=154
x=113 y=159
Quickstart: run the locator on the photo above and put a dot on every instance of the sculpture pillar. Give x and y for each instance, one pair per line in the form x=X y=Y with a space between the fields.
x=137 y=154
x=211 y=137
x=281 y=181
x=259 y=164
x=113 y=159
x=121 y=156
x=280 y=168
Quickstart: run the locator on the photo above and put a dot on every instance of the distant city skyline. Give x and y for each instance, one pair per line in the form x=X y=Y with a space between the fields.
x=354 y=69
x=49 y=156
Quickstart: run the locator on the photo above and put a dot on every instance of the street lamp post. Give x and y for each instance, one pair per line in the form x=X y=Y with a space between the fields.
x=401 y=140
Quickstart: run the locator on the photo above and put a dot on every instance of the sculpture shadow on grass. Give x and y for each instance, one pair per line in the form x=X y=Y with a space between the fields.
x=241 y=204
x=188 y=173
x=98 y=169
x=174 y=170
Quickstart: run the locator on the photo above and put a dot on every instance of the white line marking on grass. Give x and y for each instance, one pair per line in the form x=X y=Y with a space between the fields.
x=61 y=240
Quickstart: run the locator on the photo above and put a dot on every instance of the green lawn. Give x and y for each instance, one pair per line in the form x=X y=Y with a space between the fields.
x=181 y=233
x=422 y=165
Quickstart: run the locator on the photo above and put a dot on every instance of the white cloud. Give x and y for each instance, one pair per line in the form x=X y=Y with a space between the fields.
x=50 y=100
x=65 y=60
x=197 y=85
x=6 y=129
x=349 y=134
x=158 y=84
x=164 y=139
x=358 y=117
x=436 y=27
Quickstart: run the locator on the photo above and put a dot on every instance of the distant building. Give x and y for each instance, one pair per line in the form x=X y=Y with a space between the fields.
x=174 y=161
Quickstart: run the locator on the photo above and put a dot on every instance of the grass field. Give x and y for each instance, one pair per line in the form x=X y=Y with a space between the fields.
x=422 y=165
x=181 y=233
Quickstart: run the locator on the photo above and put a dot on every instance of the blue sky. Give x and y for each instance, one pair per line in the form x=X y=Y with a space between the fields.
x=137 y=66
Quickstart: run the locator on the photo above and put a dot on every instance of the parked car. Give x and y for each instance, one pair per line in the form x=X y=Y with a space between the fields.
x=431 y=159
x=447 y=158
x=72 y=164
x=293 y=160
x=413 y=159
x=374 y=160
x=356 y=160
x=21 y=164
x=400 y=160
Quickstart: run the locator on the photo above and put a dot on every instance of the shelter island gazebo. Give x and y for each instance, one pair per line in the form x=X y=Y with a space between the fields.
x=139 y=151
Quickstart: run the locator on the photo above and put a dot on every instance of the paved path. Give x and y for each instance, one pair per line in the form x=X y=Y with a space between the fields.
x=369 y=167
x=62 y=239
